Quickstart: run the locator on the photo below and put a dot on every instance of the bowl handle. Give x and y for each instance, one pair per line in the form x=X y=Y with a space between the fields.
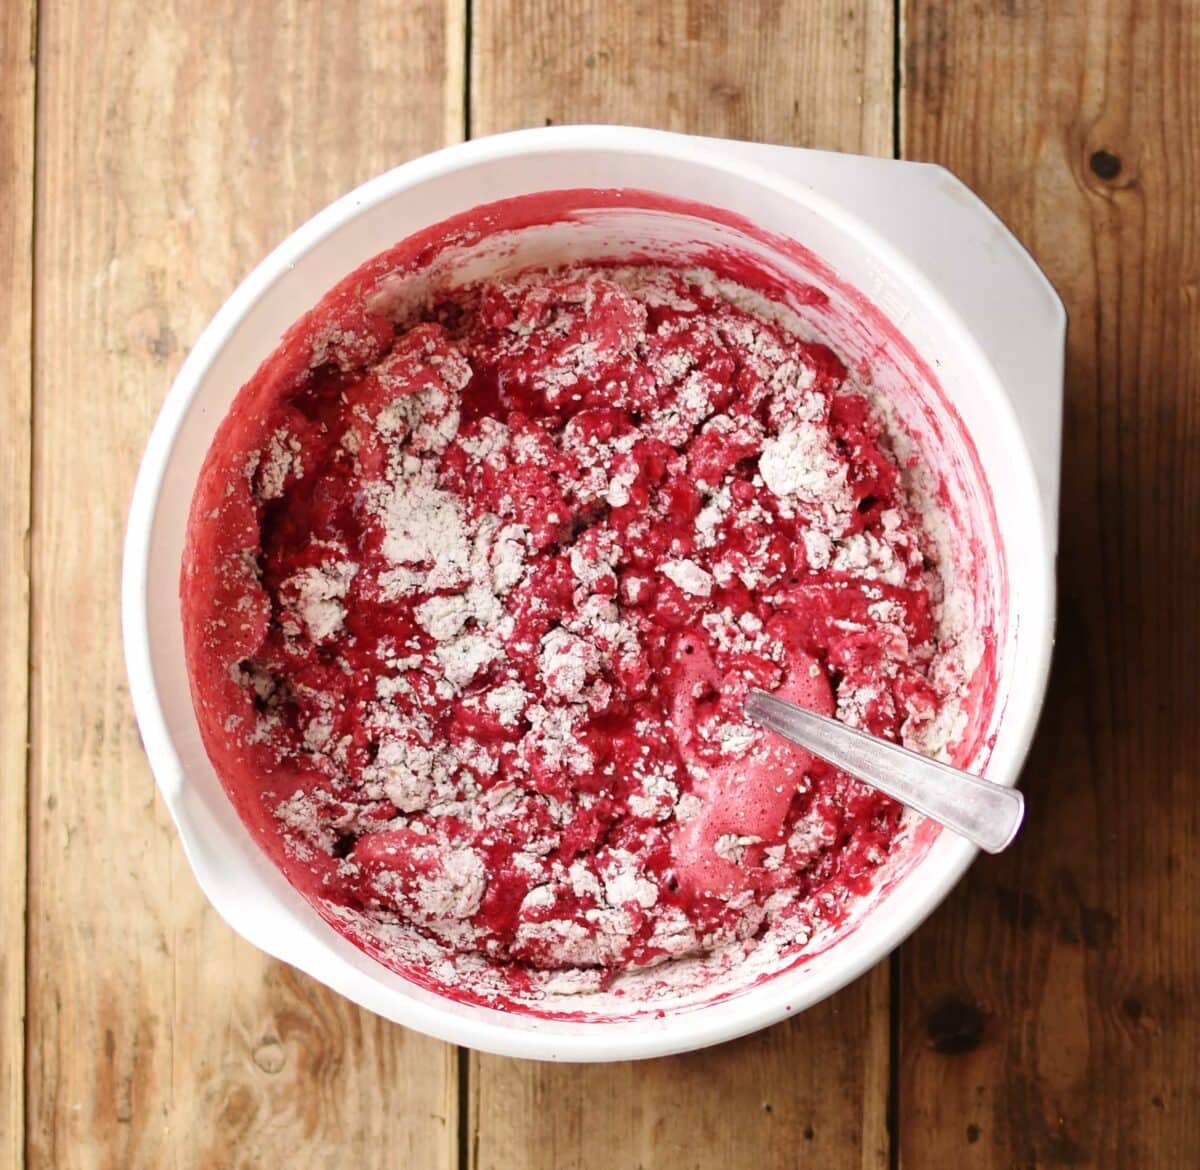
x=959 y=244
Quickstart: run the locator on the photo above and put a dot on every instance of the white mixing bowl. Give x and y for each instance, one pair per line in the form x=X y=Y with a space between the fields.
x=909 y=239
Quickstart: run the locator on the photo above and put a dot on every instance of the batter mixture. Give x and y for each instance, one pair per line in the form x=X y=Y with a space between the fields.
x=473 y=603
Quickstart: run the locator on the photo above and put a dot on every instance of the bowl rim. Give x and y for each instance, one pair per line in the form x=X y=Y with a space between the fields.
x=759 y=1005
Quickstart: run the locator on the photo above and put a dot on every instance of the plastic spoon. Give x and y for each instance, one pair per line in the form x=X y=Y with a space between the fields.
x=987 y=814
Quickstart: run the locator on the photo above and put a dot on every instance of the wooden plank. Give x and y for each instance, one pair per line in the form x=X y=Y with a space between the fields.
x=808 y=74
x=812 y=1090
x=1050 y=1010
x=801 y=73
x=18 y=25
x=175 y=146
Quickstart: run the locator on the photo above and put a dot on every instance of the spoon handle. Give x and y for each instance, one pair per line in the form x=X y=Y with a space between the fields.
x=987 y=814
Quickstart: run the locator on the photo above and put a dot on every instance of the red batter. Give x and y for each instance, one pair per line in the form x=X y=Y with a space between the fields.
x=471 y=618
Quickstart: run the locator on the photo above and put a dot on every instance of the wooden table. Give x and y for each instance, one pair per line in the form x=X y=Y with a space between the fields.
x=149 y=154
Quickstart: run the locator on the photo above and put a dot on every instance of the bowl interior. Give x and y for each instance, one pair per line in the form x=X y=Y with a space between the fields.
x=597 y=205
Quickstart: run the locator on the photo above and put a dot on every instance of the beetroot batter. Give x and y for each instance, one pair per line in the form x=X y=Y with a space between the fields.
x=472 y=603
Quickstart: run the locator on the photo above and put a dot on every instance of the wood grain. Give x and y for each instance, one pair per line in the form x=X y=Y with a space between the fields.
x=175 y=146
x=809 y=74
x=811 y=1091
x=787 y=71
x=17 y=52
x=1051 y=1012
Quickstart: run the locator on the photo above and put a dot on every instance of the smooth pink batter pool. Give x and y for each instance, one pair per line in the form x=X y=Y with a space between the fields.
x=472 y=602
